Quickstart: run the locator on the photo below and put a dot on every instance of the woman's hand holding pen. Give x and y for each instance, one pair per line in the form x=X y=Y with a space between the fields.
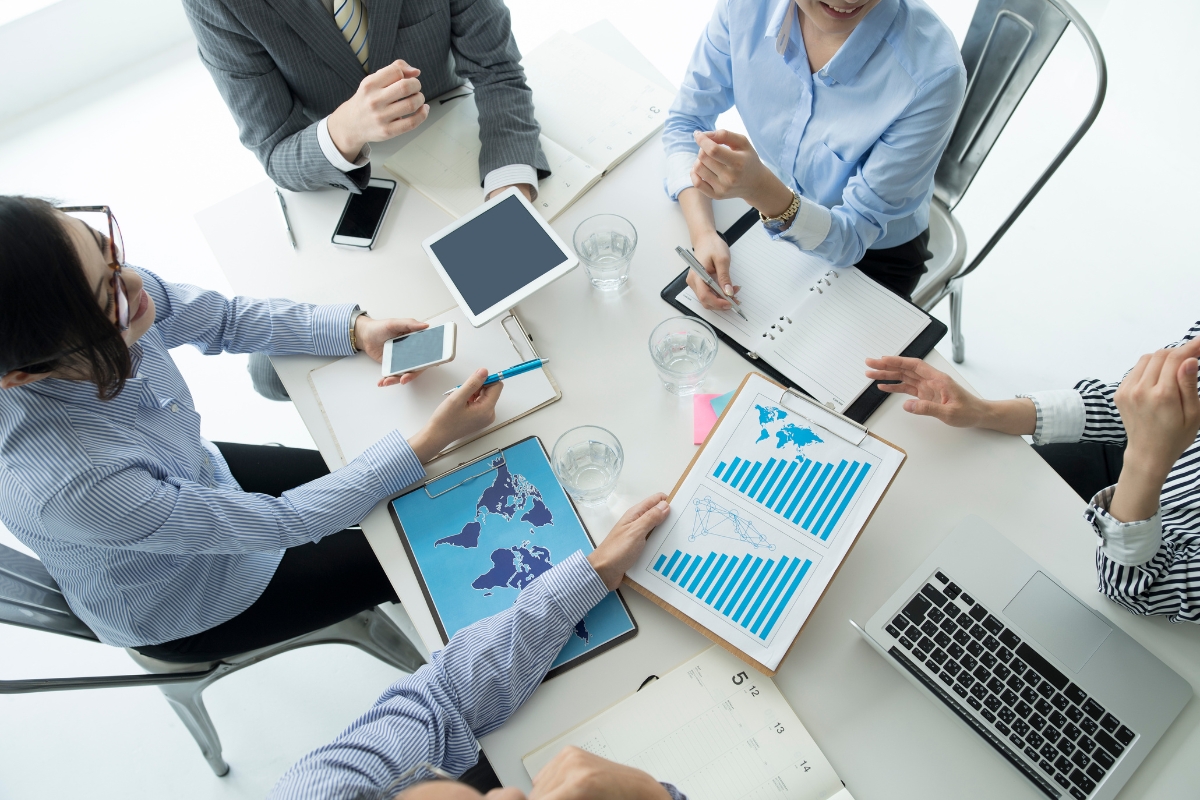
x=469 y=408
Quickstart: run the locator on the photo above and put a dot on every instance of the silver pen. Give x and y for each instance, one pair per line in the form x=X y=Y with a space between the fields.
x=287 y=223
x=694 y=265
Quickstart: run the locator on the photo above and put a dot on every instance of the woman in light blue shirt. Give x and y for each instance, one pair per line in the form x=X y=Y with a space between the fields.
x=849 y=105
x=160 y=540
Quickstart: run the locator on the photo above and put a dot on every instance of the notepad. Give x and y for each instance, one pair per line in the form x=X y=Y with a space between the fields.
x=815 y=324
x=712 y=728
x=359 y=413
x=593 y=110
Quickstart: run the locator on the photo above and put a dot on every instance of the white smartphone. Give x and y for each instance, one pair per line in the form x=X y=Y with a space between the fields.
x=363 y=214
x=419 y=350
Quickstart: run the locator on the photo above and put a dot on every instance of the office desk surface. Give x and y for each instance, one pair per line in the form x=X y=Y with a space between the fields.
x=886 y=739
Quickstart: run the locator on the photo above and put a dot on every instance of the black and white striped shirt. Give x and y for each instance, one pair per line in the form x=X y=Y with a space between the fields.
x=1148 y=566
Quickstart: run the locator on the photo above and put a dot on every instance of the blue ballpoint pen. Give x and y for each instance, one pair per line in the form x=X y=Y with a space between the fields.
x=505 y=374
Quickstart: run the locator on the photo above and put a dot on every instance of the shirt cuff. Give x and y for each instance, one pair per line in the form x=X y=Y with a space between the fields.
x=511 y=175
x=574 y=587
x=675 y=793
x=394 y=463
x=334 y=155
x=810 y=226
x=1060 y=416
x=1127 y=543
x=331 y=329
x=679 y=172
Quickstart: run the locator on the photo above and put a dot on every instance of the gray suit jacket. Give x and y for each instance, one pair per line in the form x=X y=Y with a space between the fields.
x=283 y=65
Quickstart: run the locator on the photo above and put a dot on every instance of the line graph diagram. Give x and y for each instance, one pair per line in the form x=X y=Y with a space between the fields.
x=713 y=519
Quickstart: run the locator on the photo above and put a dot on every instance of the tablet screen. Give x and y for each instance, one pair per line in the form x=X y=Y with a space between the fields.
x=497 y=253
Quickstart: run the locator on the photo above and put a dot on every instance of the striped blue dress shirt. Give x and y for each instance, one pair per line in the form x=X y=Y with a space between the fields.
x=137 y=516
x=469 y=689
x=859 y=140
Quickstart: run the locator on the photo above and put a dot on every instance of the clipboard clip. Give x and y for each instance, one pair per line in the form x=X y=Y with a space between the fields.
x=525 y=337
x=490 y=467
x=837 y=424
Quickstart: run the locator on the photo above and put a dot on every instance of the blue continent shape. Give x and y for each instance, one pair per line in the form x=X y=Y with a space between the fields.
x=516 y=568
x=795 y=435
x=508 y=494
x=767 y=415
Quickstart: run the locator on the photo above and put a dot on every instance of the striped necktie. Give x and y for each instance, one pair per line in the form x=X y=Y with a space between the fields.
x=351 y=18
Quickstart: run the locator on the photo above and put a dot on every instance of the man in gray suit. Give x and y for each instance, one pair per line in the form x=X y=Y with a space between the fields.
x=311 y=83
x=309 y=95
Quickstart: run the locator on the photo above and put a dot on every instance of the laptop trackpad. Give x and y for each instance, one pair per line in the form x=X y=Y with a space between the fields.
x=1057 y=621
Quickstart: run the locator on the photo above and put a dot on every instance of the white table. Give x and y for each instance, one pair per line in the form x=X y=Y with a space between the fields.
x=884 y=738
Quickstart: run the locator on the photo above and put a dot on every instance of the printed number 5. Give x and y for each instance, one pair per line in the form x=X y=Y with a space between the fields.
x=740 y=678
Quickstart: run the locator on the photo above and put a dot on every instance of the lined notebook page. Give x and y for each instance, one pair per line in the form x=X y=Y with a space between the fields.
x=775 y=277
x=715 y=729
x=834 y=331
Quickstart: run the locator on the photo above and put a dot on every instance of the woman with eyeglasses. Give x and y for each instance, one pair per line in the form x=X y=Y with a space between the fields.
x=161 y=541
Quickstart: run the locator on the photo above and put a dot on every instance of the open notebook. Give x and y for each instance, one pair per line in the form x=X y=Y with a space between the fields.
x=814 y=324
x=594 y=111
x=713 y=729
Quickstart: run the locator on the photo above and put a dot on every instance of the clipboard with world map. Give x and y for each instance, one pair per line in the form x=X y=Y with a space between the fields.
x=479 y=534
x=763 y=518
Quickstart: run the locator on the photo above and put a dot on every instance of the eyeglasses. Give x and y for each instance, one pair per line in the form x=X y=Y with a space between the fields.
x=116 y=254
x=114 y=248
x=418 y=773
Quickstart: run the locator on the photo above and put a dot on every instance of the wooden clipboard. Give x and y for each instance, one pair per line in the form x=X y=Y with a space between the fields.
x=670 y=609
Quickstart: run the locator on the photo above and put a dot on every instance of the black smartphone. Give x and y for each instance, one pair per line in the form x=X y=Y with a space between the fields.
x=363 y=215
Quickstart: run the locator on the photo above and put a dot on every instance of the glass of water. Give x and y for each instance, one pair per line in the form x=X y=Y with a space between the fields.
x=605 y=243
x=683 y=348
x=587 y=461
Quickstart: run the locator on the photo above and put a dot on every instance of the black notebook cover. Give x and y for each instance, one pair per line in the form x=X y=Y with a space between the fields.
x=869 y=400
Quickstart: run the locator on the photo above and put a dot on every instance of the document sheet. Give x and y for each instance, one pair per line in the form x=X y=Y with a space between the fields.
x=762 y=520
x=593 y=110
x=714 y=729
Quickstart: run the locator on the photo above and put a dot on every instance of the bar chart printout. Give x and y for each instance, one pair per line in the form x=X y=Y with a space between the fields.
x=752 y=591
x=798 y=472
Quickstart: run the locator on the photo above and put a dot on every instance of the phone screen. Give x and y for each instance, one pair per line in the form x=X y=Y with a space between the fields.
x=363 y=213
x=416 y=349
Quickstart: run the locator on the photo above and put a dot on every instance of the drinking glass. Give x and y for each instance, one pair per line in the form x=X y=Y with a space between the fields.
x=605 y=243
x=587 y=461
x=683 y=348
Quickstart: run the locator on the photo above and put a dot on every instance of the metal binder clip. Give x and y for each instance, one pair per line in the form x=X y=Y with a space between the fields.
x=491 y=466
x=525 y=338
x=816 y=413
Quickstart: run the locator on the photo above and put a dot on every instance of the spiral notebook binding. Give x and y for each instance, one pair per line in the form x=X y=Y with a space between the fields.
x=779 y=326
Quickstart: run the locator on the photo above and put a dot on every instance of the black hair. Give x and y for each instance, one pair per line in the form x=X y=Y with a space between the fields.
x=49 y=316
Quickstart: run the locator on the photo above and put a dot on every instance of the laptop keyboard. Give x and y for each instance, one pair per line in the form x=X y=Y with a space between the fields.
x=1059 y=737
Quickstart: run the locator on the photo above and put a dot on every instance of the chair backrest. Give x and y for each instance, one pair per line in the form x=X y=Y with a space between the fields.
x=1006 y=46
x=29 y=597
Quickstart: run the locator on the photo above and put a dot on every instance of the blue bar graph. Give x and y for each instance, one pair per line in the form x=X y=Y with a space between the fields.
x=751 y=594
x=810 y=494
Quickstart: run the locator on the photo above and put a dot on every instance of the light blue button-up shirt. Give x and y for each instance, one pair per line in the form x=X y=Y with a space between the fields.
x=137 y=516
x=859 y=140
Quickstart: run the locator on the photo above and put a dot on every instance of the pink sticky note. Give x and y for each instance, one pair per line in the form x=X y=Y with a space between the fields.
x=703 y=416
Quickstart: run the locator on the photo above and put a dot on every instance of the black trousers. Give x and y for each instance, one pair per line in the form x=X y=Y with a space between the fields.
x=1087 y=467
x=315 y=585
x=898 y=268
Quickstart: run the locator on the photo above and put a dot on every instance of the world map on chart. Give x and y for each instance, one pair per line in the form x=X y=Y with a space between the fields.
x=786 y=434
x=713 y=519
x=516 y=566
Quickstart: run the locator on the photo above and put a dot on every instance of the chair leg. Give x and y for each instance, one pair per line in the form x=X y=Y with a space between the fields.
x=186 y=699
x=956 y=334
x=374 y=632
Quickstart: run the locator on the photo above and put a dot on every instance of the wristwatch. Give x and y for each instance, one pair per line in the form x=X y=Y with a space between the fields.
x=354 y=315
x=783 y=220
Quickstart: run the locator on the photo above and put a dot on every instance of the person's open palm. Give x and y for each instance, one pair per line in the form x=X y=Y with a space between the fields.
x=935 y=393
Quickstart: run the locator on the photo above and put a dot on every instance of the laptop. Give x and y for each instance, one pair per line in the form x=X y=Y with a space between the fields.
x=1065 y=696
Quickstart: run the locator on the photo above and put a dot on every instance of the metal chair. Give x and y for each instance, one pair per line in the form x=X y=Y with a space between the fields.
x=30 y=598
x=1006 y=46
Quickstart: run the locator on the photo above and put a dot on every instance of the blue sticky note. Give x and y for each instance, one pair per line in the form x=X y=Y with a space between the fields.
x=719 y=403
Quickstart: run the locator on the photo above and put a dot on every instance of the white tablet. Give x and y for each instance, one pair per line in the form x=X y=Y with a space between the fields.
x=496 y=256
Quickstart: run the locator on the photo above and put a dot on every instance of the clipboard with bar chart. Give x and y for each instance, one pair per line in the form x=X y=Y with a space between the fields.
x=763 y=518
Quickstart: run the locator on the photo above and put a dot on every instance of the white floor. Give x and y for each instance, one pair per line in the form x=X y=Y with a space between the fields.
x=1097 y=271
